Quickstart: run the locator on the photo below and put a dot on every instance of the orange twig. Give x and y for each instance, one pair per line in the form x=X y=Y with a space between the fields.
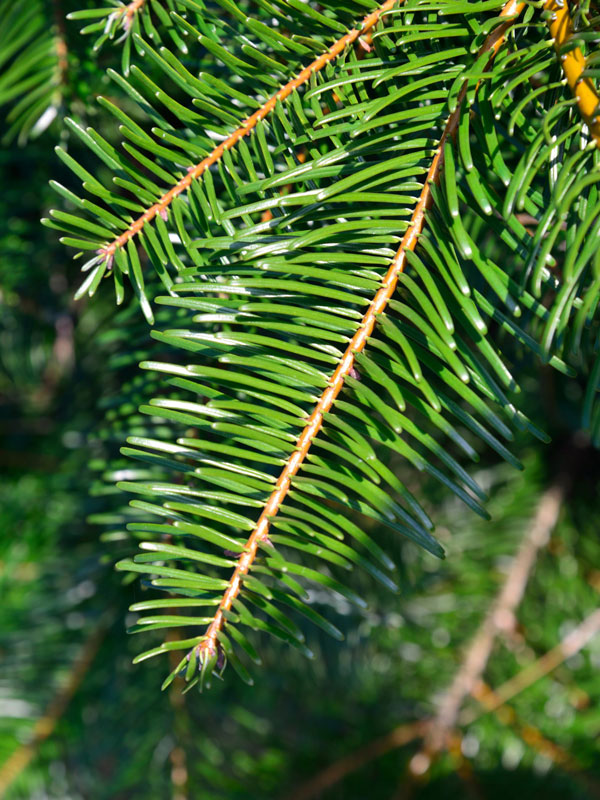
x=129 y=12
x=356 y=345
x=246 y=127
x=573 y=64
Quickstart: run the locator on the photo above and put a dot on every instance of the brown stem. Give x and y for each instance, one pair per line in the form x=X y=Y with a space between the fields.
x=573 y=64
x=129 y=11
x=400 y=736
x=356 y=345
x=490 y=700
x=177 y=756
x=44 y=727
x=62 y=53
x=499 y=618
x=570 y=645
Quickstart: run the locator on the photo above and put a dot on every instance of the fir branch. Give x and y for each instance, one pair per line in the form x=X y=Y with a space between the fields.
x=573 y=64
x=378 y=305
x=247 y=126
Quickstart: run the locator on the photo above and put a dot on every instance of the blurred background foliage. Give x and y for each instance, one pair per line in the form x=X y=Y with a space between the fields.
x=78 y=720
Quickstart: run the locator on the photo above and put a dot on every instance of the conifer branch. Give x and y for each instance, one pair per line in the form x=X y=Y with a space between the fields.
x=378 y=305
x=246 y=127
x=573 y=64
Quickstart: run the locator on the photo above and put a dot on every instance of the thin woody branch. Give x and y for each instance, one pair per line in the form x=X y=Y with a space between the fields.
x=490 y=700
x=573 y=64
x=499 y=618
x=248 y=126
x=533 y=737
x=62 y=54
x=178 y=755
x=334 y=773
x=572 y=643
x=356 y=345
x=45 y=726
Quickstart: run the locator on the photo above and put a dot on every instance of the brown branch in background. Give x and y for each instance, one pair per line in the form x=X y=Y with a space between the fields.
x=418 y=775
x=32 y=461
x=59 y=364
x=357 y=343
x=500 y=617
x=177 y=756
x=490 y=700
x=45 y=726
x=534 y=738
x=179 y=773
x=400 y=736
x=569 y=646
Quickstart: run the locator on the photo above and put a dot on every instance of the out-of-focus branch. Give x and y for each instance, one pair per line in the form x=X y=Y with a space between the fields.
x=177 y=756
x=45 y=726
x=60 y=362
x=570 y=645
x=500 y=617
x=534 y=738
x=490 y=701
x=400 y=736
x=62 y=53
